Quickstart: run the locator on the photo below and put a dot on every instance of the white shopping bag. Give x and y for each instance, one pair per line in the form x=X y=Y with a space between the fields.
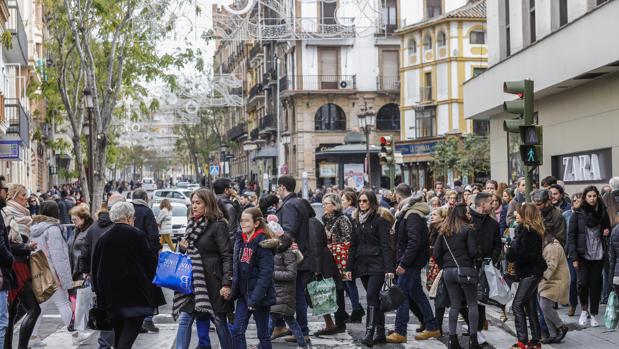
x=512 y=295
x=83 y=304
x=498 y=289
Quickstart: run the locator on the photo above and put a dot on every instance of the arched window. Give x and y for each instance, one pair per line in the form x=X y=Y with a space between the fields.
x=477 y=37
x=330 y=117
x=441 y=40
x=427 y=42
x=412 y=47
x=388 y=117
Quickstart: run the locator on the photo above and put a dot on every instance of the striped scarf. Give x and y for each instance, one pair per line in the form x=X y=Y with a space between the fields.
x=195 y=228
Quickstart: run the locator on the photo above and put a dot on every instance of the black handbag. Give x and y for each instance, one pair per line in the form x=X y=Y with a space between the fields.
x=98 y=318
x=466 y=276
x=391 y=296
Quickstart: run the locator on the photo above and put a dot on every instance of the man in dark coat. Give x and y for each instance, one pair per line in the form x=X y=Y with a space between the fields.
x=489 y=243
x=145 y=221
x=412 y=254
x=553 y=217
x=231 y=208
x=294 y=217
x=6 y=264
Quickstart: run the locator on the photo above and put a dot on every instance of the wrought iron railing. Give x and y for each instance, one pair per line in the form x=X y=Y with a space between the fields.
x=17 y=119
x=237 y=131
x=388 y=83
x=319 y=82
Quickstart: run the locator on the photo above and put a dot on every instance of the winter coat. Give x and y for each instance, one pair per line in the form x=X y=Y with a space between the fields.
x=554 y=223
x=526 y=253
x=232 y=211
x=487 y=236
x=411 y=235
x=339 y=225
x=613 y=252
x=612 y=207
x=294 y=217
x=284 y=274
x=6 y=258
x=370 y=252
x=123 y=267
x=164 y=220
x=47 y=233
x=511 y=208
x=577 y=235
x=215 y=249
x=93 y=234
x=556 y=280
x=145 y=221
x=322 y=261
x=256 y=277
x=463 y=245
x=76 y=245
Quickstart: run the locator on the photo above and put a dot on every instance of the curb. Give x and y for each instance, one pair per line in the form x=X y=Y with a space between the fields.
x=494 y=316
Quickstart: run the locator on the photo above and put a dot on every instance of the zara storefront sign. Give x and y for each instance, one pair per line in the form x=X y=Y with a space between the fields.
x=582 y=167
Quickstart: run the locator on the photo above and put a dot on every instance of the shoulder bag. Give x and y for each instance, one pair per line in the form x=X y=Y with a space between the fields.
x=466 y=276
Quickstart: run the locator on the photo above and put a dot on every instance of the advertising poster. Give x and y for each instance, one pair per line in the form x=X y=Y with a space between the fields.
x=354 y=176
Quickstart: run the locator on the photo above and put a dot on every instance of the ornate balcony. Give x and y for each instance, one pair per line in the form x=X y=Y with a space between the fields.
x=319 y=82
x=17 y=118
x=18 y=51
x=237 y=131
x=388 y=83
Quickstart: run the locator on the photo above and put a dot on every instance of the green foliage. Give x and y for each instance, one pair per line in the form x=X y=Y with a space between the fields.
x=7 y=39
x=467 y=156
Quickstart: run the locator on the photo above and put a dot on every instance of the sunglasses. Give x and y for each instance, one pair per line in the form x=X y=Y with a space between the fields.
x=363 y=200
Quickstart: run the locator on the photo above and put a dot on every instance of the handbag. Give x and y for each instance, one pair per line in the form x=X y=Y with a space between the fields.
x=391 y=296
x=467 y=276
x=43 y=279
x=174 y=272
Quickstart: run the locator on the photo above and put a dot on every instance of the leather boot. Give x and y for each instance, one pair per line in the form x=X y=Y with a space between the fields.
x=473 y=343
x=379 y=335
x=370 y=326
x=453 y=342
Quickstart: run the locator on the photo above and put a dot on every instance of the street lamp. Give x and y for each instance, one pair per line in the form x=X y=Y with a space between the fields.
x=367 y=120
x=224 y=149
x=90 y=105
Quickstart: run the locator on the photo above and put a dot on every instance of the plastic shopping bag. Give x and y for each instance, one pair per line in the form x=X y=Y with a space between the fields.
x=512 y=294
x=322 y=296
x=174 y=272
x=83 y=304
x=498 y=290
x=610 y=315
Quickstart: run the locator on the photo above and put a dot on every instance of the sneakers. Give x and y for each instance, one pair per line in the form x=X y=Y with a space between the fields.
x=280 y=331
x=77 y=338
x=150 y=326
x=481 y=339
x=396 y=338
x=594 y=321
x=428 y=335
x=584 y=316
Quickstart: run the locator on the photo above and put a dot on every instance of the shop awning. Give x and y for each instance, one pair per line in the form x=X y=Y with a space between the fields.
x=347 y=149
x=266 y=152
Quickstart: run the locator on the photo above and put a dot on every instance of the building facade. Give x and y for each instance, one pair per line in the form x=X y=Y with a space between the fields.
x=562 y=46
x=314 y=87
x=24 y=157
x=443 y=43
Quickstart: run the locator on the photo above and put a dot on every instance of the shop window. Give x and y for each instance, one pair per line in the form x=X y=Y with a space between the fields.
x=425 y=122
x=388 y=117
x=477 y=37
x=330 y=117
x=441 y=40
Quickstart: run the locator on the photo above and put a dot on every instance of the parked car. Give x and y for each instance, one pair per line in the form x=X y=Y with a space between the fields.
x=149 y=184
x=193 y=187
x=181 y=196
x=179 y=219
x=182 y=185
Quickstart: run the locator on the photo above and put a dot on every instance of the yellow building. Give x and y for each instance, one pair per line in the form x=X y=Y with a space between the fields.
x=443 y=47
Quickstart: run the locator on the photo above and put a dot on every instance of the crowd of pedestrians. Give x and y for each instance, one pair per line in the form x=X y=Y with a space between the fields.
x=255 y=254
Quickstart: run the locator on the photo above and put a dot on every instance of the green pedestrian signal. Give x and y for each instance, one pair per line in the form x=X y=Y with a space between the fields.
x=531 y=155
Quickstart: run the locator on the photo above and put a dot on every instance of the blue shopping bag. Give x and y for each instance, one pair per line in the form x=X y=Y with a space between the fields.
x=174 y=272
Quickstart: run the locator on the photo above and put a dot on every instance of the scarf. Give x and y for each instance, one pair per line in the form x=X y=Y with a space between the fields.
x=594 y=214
x=17 y=217
x=195 y=229
x=363 y=216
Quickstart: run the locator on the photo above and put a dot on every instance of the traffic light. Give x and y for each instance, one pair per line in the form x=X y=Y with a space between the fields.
x=531 y=155
x=524 y=104
x=531 y=134
x=386 y=150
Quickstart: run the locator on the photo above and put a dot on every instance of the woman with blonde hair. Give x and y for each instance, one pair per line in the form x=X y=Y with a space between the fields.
x=526 y=254
x=164 y=221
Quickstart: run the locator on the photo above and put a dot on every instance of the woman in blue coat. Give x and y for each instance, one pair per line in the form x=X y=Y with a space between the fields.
x=252 y=283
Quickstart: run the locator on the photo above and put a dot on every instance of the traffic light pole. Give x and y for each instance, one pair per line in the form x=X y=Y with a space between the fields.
x=528 y=120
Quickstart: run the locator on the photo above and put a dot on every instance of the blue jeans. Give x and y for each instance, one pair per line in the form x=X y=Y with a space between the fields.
x=301 y=306
x=293 y=325
x=203 y=325
x=353 y=294
x=241 y=319
x=4 y=314
x=410 y=283
x=185 y=321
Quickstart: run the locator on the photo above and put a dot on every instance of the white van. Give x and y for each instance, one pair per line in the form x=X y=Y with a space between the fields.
x=149 y=184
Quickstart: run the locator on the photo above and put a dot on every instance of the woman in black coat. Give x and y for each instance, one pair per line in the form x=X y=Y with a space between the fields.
x=588 y=227
x=370 y=259
x=207 y=243
x=526 y=254
x=123 y=268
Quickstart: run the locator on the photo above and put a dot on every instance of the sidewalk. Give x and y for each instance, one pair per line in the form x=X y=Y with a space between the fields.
x=577 y=338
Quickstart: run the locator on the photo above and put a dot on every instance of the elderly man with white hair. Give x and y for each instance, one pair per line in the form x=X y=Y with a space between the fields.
x=122 y=269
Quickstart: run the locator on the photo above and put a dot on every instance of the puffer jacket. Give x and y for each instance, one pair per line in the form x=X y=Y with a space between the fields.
x=284 y=274
x=164 y=220
x=47 y=233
